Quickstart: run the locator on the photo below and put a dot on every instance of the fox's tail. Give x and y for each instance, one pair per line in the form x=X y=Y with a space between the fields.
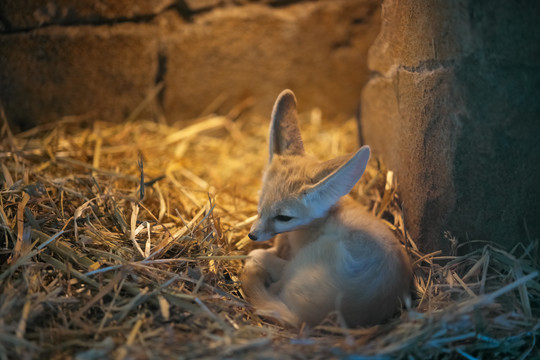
x=266 y=303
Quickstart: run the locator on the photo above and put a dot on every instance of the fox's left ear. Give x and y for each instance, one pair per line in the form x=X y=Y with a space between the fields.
x=339 y=182
x=285 y=137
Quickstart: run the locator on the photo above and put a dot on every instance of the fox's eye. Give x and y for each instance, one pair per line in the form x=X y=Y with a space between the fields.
x=283 y=218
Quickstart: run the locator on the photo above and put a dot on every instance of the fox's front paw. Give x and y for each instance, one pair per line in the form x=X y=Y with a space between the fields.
x=266 y=265
x=255 y=268
x=258 y=256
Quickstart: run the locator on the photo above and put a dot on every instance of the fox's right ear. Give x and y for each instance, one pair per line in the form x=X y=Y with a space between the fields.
x=340 y=182
x=285 y=137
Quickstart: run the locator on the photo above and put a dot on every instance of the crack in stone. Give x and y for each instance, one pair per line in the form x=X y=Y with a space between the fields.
x=161 y=72
x=284 y=3
x=424 y=66
x=80 y=22
x=180 y=6
x=428 y=66
x=97 y=20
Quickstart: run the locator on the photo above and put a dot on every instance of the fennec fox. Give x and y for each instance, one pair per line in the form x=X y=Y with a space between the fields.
x=330 y=254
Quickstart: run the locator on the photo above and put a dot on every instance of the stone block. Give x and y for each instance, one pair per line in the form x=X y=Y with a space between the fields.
x=453 y=108
x=318 y=49
x=440 y=31
x=414 y=132
x=58 y=71
x=29 y=14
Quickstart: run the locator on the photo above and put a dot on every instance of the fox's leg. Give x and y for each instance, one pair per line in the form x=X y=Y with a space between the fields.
x=282 y=247
x=260 y=278
x=268 y=266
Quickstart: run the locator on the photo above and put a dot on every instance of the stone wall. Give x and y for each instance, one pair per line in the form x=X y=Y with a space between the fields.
x=452 y=102
x=103 y=58
x=453 y=107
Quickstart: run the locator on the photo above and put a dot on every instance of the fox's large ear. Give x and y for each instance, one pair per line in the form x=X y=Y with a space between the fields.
x=285 y=137
x=339 y=182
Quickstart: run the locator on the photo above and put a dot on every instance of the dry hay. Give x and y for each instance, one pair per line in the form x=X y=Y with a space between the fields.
x=92 y=266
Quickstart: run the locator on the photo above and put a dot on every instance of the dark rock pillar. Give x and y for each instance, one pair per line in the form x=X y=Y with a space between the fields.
x=453 y=107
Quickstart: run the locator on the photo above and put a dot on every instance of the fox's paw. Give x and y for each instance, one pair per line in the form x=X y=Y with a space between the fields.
x=255 y=262
x=265 y=265
x=256 y=267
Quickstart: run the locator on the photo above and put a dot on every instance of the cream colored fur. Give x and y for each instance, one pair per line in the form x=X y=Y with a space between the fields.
x=330 y=255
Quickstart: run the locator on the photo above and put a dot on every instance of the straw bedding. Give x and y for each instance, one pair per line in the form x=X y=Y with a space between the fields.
x=126 y=242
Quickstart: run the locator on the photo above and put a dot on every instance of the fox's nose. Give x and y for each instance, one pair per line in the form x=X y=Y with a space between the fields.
x=252 y=237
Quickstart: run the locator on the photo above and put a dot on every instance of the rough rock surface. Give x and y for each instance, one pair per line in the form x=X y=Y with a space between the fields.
x=453 y=108
x=59 y=59
x=58 y=71
x=29 y=14
x=317 y=49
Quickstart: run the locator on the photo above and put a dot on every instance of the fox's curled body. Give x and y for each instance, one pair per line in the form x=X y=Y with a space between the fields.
x=329 y=254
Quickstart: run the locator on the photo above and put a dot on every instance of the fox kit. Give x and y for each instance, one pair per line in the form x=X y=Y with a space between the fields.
x=329 y=254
